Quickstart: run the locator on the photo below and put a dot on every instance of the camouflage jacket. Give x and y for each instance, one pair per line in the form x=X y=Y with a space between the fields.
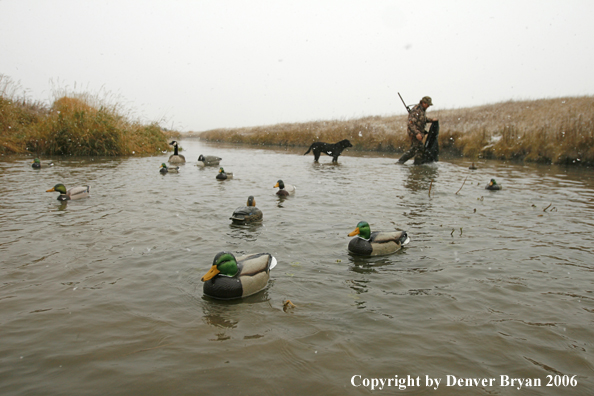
x=417 y=120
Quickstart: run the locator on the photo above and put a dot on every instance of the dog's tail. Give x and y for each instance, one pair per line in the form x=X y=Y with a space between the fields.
x=309 y=149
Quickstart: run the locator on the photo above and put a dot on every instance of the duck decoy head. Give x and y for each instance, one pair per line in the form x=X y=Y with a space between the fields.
x=362 y=229
x=59 y=188
x=224 y=263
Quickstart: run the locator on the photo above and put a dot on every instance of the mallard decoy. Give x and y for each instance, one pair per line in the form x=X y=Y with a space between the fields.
x=222 y=175
x=176 y=158
x=493 y=185
x=248 y=213
x=377 y=243
x=165 y=169
x=36 y=164
x=284 y=189
x=208 y=160
x=72 y=194
x=231 y=277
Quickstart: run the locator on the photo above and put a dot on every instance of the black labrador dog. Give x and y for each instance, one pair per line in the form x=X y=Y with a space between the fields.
x=332 y=149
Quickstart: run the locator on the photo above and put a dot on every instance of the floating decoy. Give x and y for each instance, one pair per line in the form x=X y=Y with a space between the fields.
x=165 y=169
x=248 y=213
x=36 y=164
x=493 y=185
x=378 y=243
x=176 y=158
x=284 y=189
x=222 y=175
x=72 y=193
x=231 y=277
x=208 y=160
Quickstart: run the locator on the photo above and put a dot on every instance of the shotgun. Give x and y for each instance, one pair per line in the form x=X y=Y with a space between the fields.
x=407 y=108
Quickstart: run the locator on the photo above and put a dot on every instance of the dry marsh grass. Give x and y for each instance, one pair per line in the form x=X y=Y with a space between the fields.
x=557 y=130
x=75 y=124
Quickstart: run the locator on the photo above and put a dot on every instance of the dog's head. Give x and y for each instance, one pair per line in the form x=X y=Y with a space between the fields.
x=345 y=143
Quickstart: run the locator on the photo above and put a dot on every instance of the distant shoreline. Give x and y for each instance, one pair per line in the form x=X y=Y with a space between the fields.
x=558 y=131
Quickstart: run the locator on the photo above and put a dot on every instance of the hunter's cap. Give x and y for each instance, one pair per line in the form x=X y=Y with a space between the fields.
x=427 y=99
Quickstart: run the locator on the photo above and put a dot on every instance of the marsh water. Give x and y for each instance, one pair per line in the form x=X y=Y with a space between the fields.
x=103 y=295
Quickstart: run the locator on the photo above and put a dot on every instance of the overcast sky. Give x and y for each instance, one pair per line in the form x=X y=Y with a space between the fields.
x=200 y=65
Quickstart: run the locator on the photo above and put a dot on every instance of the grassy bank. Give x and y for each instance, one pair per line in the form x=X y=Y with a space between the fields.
x=547 y=130
x=74 y=124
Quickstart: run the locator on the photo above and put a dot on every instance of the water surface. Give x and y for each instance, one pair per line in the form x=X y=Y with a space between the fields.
x=103 y=295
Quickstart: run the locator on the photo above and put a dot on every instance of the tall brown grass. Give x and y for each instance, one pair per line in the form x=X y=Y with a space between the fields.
x=74 y=124
x=546 y=130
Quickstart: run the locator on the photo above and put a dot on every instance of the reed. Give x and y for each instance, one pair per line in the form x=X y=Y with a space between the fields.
x=546 y=130
x=75 y=124
x=17 y=116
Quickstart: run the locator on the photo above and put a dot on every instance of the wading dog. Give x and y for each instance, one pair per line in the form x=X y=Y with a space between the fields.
x=332 y=149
